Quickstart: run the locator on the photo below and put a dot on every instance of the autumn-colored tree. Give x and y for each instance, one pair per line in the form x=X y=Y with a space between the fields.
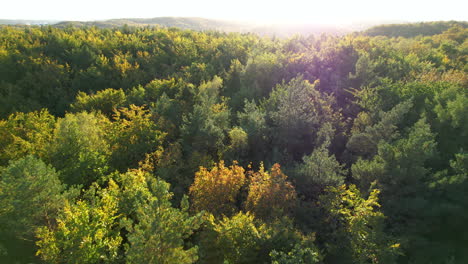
x=270 y=194
x=217 y=190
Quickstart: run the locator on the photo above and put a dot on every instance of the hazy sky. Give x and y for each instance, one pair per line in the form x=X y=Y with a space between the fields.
x=304 y=11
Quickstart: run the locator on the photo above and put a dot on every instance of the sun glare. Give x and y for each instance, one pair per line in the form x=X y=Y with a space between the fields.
x=273 y=11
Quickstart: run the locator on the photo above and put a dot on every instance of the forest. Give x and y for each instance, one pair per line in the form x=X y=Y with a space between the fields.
x=163 y=145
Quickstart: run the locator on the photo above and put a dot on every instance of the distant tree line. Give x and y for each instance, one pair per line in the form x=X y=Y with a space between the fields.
x=415 y=29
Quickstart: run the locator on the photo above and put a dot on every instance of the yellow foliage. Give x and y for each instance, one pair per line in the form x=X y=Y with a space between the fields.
x=270 y=194
x=216 y=190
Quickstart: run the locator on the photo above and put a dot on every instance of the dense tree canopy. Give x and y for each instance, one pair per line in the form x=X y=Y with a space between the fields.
x=153 y=145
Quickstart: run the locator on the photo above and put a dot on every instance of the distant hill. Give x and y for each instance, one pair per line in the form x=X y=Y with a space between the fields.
x=413 y=29
x=396 y=29
x=192 y=23
x=203 y=24
x=27 y=22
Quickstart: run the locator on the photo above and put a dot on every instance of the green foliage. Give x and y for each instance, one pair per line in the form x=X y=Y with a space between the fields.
x=443 y=229
x=238 y=238
x=244 y=239
x=105 y=101
x=300 y=254
x=319 y=169
x=94 y=229
x=79 y=149
x=204 y=130
x=399 y=170
x=400 y=173
x=357 y=227
x=159 y=230
x=31 y=195
x=160 y=233
x=451 y=122
x=262 y=73
x=85 y=232
x=239 y=146
x=282 y=236
x=22 y=134
x=40 y=82
x=238 y=138
x=132 y=135
x=413 y=30
x=365 y=143
x=170 y=87
x=297 y=111
x=253 y=121
x=387 y=114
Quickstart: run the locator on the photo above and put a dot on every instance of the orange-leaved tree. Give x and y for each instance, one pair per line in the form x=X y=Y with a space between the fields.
x=270 y=194
x=217 y=190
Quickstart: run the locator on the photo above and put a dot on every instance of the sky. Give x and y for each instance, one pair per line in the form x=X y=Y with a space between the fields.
x=262 y=11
